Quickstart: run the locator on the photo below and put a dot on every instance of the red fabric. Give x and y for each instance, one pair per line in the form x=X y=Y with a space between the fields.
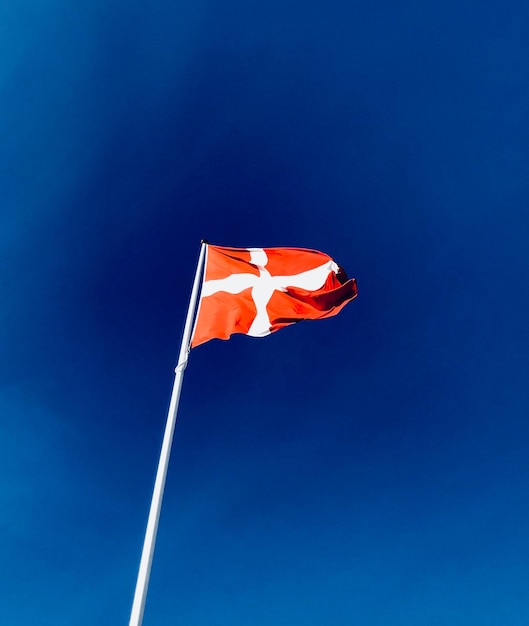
x=222 y=314
x=225 y=261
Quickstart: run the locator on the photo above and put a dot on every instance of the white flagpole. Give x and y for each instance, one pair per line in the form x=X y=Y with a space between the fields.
x=138 y=606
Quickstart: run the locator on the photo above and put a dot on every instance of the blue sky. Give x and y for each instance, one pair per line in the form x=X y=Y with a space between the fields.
x=367 y=469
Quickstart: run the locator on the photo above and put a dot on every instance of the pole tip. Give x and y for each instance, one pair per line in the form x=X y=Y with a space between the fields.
x=204 y=241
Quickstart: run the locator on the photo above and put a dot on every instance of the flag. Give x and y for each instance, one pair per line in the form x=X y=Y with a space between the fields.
x=256 y=291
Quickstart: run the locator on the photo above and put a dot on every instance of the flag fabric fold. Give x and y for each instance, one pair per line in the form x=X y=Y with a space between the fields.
x=256 y=291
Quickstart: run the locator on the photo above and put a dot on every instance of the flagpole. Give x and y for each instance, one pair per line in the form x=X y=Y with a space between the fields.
x=142 y=583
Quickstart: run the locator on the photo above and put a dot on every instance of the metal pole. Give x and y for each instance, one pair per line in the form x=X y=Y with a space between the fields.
x=138 y=605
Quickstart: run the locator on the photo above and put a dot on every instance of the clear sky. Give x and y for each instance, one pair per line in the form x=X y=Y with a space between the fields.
x=369 y=469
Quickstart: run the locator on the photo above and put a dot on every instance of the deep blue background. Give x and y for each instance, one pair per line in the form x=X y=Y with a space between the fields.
x=370 y=469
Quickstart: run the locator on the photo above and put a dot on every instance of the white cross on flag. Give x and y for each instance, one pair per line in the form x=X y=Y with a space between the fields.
x=257 y=291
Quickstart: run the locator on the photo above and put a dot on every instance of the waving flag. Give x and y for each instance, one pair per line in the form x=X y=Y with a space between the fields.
x=256 y=291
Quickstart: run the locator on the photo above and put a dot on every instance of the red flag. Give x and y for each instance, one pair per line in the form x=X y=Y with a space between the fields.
x=257 y=291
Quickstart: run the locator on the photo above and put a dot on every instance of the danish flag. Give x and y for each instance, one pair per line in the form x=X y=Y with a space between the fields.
x=257 y=291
